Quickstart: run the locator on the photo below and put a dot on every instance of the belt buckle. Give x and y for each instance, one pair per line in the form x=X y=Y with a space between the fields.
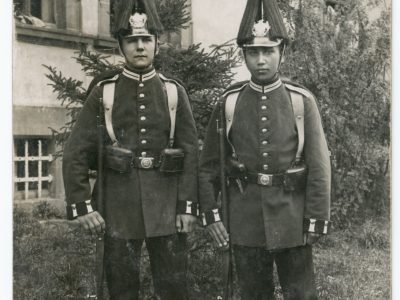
x=146 y=162
x=264 y=179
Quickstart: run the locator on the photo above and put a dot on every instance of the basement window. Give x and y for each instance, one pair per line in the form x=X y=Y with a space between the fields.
x=31 y=168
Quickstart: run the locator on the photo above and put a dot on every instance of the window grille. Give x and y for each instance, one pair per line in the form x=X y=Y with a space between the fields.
x=31 y=165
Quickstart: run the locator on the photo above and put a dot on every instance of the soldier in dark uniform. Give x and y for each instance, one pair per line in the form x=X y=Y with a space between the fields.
x=145 y=200
x=278 y=167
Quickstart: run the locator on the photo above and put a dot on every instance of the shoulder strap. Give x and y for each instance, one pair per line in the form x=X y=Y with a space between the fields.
x=108 y=101
x=230 y=104
x=298 y=111
x=172 y=97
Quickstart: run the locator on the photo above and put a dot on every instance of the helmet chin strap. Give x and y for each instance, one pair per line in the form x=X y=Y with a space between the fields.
x=120 y=50
x=281 y=58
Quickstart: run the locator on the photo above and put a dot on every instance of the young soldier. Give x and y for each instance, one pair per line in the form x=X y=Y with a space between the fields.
x=277 y=164
x=149 y=183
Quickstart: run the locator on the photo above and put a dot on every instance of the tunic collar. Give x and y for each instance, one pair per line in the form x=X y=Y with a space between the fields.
x=139 y=77
x=266 y=88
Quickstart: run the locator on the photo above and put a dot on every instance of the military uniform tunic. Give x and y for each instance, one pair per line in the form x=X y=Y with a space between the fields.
x=264 y=136
x=143 y=202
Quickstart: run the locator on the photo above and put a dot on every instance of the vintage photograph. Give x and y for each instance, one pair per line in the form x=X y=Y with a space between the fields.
x=201 y=149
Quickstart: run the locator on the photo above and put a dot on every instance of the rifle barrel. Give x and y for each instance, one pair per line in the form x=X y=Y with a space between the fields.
x=224 y=198
x=100 y=205
x=228 y=290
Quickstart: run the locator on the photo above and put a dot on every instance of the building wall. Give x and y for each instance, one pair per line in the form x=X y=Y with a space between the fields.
x=30 y=87
x=35 y=107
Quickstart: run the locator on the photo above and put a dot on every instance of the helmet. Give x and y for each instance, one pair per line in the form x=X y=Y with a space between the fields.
x=135 y=18
x=262 y=25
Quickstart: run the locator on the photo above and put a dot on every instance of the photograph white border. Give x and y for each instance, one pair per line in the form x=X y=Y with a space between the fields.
x=6 y=150
x=6 y=21
x=395 y=151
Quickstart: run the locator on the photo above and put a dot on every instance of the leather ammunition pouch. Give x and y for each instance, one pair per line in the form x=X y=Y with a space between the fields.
x=172 y=160
x=118 y=159
x=295 y=179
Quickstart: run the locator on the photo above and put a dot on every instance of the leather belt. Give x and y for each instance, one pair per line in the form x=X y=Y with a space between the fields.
x=146 y=162
x=264 y=179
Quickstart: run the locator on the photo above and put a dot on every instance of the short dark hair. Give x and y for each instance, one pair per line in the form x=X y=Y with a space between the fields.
x=281 y=46
x=120 y=35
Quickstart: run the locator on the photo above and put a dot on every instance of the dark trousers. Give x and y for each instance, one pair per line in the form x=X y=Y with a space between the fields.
x=167 y=262
x=254 y=268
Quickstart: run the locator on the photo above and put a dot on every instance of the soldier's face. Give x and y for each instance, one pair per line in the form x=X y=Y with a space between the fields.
x=262 y=62
x=139 y=51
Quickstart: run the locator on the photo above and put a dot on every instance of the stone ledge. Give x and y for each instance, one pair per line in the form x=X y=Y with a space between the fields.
x=61 y=37
x=37 y=120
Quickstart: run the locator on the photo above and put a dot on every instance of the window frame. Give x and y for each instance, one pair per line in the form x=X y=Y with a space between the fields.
x=30 y=194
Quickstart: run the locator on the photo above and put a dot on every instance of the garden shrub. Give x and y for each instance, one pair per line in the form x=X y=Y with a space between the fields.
x=46 y=210
x=345 y=62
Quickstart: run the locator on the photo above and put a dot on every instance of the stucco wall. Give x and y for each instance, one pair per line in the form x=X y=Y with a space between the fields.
x=30 y=86
x=29 y=81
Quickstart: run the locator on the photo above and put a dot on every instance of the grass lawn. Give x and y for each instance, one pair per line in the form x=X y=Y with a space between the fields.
x=53 y=260
x=355 y=264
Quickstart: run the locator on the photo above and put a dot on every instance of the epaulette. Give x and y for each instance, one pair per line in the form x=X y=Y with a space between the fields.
x=174 y=80
x=112 y=77
x=295 y=87
x=236 y=87
x=102 y=78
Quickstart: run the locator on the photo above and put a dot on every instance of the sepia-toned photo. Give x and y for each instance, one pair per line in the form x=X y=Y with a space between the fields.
x=201 y=149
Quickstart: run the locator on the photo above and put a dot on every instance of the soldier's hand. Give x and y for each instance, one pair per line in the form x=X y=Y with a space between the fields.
x=93 y=222
x=311 y=238
x=219 y=234
x=185 y=223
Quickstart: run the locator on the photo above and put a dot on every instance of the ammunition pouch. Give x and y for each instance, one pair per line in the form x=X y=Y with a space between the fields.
x=295 y=179
x=118 y=159
x=172 y=160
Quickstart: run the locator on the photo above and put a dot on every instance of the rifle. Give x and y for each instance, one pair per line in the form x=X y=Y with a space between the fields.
x=100 y=204
x=227 y=255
